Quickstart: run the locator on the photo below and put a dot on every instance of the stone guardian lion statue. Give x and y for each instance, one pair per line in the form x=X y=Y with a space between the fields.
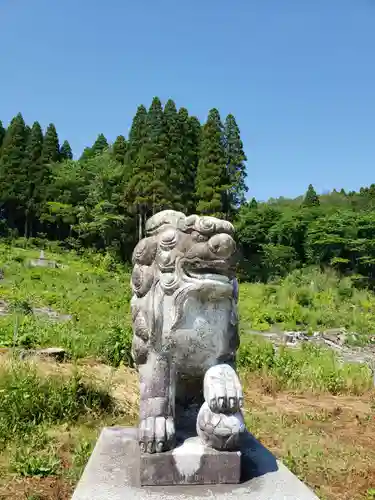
x=184 y=313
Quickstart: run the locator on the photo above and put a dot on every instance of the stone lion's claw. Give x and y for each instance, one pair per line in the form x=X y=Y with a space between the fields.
x=156 y=434
x=222 y=389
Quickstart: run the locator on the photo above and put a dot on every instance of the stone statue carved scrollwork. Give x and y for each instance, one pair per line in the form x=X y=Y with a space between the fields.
x=184 y=312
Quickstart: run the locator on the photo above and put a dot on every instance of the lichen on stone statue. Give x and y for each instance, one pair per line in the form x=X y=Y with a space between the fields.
x=184 y=312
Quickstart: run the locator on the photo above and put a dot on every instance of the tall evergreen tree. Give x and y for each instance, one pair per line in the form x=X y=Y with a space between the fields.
x=253 y=203
x=137 y=136
x=153 y=156
x=193 y=140
x=119 y=149
x=36 y=175
x=86 y=154
x=51 y=148
x=235 y=163
x=100 y=145
x=66 y=151
x=211 y=181
x=13 y=179
x=147 y=191
x=174 y=155
x=311 y=198
x=190 y=136
x=2 y=134
x=27 y=132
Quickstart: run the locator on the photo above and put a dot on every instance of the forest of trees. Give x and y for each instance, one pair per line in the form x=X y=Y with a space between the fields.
x=170 y=160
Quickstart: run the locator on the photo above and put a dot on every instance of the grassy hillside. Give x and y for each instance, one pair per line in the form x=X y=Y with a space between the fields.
x=308 y=408
x=95 y=293
x=308 y=300
x=96 y=299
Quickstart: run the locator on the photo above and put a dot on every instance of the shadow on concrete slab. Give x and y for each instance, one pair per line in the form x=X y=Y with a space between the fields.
x=256 y=459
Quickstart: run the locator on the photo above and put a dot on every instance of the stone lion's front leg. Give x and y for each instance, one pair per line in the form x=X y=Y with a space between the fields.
x=220 y=422
x=156 y=428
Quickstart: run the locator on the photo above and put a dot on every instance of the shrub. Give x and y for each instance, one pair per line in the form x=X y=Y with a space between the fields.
x=255 y=355
x=116 y=348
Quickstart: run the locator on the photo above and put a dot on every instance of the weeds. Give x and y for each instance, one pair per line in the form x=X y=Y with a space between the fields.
x=116 y=348
x=94 y=292
x=310 y=368
x=29 y=399
x=81 y=454
x=27 y=462
x=308 y=299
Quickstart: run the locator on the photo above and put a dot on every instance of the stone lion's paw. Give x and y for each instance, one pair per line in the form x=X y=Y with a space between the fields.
x=222 y=389
x=156 y=434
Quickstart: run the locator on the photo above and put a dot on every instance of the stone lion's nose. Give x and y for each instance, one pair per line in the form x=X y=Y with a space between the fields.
x=222 y=245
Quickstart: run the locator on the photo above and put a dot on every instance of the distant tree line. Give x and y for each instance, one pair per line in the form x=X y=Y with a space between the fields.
x=335 y=230
x=101 y=200
x=170 y=160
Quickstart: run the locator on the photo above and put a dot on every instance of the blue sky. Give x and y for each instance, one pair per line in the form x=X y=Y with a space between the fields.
x=299 y=76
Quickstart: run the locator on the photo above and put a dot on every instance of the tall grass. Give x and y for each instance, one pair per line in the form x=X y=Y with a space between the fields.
x=86 y=288
x=308 y=299
x=30 y=399
x=310 y=368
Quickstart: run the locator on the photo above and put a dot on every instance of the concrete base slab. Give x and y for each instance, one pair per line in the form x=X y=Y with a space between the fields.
x=190 y=463
x=113 y=473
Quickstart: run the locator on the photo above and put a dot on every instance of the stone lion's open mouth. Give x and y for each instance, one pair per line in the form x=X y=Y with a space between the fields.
x=213 y=271
x=208 y=276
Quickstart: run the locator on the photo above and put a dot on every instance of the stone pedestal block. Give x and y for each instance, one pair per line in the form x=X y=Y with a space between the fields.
x=190 y=463
x=113 y=473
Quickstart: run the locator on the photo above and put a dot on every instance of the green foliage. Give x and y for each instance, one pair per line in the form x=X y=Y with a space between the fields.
x=192 y=133
x=169 y=160
x=119 y=149
x=29 y=399
x=308 y=369
x=235 y=165
x=26 y=461
x=2 y=134
x=150 y=174
x=211 y=181
x=174 y=155
x=37 y=176
x=256 y=356
x=311 y=198
x=147 y=190
x=81 y=455
x=13 y=178
x=66 y=151
x=93 y=289
x=100 y=145
x=137 y=135
x=86 y=154
x=51 y=147
x=117 y=346
x=308 y=300
x=281 y=235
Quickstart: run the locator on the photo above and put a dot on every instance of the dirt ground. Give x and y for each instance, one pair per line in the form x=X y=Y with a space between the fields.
x=328 y=441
